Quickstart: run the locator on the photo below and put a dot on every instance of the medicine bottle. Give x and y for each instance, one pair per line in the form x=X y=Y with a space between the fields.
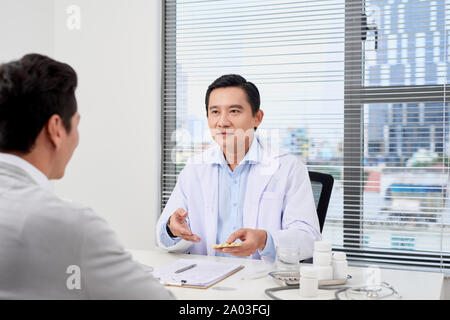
x=322 y=253
x=340 y=265
x=324 y=272
x=309 y=284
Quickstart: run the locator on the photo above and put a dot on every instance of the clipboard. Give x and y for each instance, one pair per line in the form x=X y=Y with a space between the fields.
x=192 y=278
x=203 y=287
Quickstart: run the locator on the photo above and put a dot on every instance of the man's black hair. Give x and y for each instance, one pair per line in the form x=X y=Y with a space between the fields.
x=32 y=90
x=234 y=80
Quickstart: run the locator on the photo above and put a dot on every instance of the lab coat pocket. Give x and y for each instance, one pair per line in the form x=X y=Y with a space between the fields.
x=270 y=210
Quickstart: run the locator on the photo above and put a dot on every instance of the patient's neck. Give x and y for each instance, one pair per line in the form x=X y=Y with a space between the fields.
x=37 y=159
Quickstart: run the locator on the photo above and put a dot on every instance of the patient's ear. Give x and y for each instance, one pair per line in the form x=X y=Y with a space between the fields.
x=55 y=128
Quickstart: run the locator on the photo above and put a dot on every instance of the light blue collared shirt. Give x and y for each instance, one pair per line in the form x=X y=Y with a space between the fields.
x=232 y=189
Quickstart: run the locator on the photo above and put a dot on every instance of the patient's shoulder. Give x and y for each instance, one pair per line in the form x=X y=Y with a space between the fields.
x=45 y=205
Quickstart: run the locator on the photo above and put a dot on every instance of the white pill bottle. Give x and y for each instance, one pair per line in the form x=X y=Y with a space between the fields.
x=309 y=282
x=340 y=265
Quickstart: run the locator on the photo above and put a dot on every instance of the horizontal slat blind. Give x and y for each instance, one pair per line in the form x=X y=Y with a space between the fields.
x=353 y=88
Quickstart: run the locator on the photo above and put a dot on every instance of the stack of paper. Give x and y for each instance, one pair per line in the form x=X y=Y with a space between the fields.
x=203 y=275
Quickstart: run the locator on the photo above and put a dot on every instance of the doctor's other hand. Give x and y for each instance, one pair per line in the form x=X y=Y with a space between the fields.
x=179 y=227
x=252 y=240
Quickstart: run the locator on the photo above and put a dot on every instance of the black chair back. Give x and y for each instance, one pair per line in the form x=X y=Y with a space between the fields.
x=322 y=185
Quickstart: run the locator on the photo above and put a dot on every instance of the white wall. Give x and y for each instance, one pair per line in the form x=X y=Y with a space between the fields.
x=116 y=54
x=115 y=169
x=25 y=26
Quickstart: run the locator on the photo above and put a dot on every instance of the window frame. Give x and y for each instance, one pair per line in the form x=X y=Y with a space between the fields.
x=356 y=95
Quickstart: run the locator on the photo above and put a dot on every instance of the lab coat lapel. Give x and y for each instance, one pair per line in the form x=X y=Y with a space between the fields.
x=210 y=192
x=260 y=175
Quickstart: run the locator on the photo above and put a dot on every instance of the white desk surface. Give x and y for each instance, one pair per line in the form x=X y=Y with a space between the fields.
x=411 y=285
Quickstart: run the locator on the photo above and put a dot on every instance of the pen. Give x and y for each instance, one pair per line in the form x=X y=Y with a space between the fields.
x=185 y=268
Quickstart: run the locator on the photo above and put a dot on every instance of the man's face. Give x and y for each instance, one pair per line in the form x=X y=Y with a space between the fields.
x=70 y=142
x=230 y=118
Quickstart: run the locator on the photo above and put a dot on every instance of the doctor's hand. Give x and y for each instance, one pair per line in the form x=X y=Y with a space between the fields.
x=179 y=227
x=252 y=240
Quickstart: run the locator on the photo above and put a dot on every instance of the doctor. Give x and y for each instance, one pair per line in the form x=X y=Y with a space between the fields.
x=239 y=188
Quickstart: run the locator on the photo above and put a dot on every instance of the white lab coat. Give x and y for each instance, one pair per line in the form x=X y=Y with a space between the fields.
x=278 y=199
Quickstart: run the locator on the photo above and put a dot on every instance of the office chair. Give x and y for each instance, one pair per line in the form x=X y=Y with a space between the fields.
x=322 y=185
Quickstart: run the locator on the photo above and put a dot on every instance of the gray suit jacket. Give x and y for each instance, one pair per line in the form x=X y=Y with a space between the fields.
x=51 y=248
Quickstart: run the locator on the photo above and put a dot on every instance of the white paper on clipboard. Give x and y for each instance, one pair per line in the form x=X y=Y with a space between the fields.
x=203 y=275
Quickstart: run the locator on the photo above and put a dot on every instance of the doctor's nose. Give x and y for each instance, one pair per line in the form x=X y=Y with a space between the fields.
x=223 y=121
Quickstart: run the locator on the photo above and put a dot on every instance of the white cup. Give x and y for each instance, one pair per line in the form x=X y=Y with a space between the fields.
x=288 y=258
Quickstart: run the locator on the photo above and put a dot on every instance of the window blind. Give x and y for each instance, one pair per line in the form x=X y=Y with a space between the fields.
x=356 y=89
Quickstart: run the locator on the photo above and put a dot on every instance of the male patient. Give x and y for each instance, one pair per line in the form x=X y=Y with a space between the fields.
x=239 y=188
x=51 y=248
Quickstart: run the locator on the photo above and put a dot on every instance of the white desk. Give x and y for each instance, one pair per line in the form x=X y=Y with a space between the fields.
x=411 y=285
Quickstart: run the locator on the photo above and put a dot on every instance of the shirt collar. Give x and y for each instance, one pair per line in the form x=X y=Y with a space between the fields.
x=31 y=170
x=252 y=156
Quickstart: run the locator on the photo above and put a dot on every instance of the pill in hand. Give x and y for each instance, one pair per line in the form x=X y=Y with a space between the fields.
x=226 y=245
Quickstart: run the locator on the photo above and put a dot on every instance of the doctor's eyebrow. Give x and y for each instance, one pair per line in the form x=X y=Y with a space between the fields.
x=235 y=106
